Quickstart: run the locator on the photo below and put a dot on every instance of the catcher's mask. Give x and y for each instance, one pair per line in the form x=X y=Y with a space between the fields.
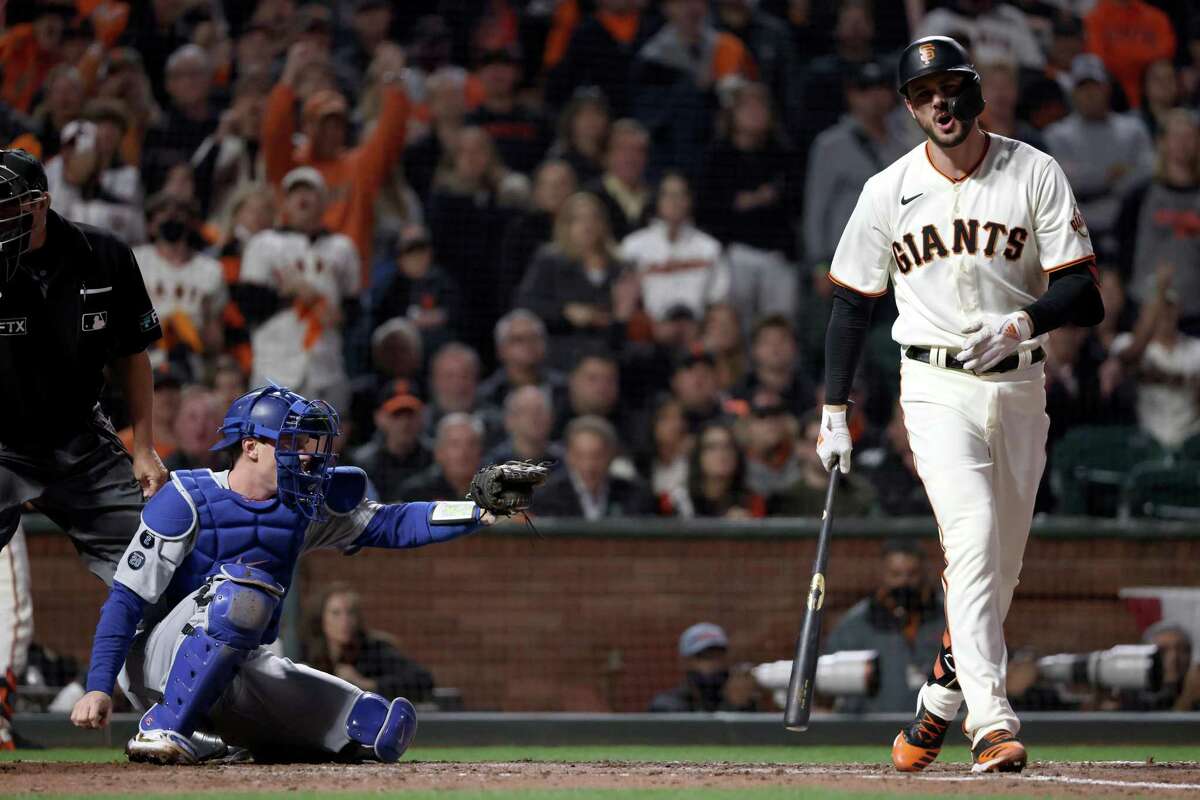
x=302 y=431
x=22 y=186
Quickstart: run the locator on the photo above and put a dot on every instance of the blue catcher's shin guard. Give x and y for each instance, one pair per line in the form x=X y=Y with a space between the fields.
x=387 y=729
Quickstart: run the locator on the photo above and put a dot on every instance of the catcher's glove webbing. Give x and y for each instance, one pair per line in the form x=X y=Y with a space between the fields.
x=504 y=489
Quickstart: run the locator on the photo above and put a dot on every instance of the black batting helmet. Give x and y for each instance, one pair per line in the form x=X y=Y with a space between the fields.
x=934 y=54
x=22 y=182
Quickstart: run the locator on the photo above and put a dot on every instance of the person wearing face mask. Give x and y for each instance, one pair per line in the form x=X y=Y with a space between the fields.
x=903 y=622
x=710 y=683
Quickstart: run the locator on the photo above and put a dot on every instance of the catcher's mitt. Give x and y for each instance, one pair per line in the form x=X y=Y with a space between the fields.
x=504 y=489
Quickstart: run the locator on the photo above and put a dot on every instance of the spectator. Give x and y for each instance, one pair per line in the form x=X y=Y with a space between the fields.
x=612 y=35
x=61 y=104
x=694 y=385
x=88 y=183
x=353 y=175
x=528 y=419
x=769 y=439
x=168 y=384
x=1166 y=363
x=370 y=25
x=231 y=157
x=902 y=621
x=1001 y=90
x=520 y=134
x=593 y=389
x=338 y=642
x=457 y=456
x=1160 y=94
x=445 y=98
x=667 y=463
x=623 y=188
x=721 y=335
x=1083 y=385
x=824 y=98
x=582 y=132
x=454 y=389
x=775 y=365
x=195 y=429
x=419 y=289
x=122 y=78
x=299 y=291
x=586 y=488
x=717 y=484
x=575 y=285
x=709 y=682
x=1104 y=155
x=1159 y=222
x=769 y=42
x=531 y=228
x=1129 y=35
x=674 y=76
x=746 y=186
x=997 y=30
x=1180 y=684
x=187 y=121
x=395 y=452
x=229 y=382
x=677 y=264
x=893 y=471
x=251 y=211
x=806 y=497
x=521 y=349
x=187 y=287
x=1066 y=42
x=396 y=350
x=467 y=197
x=28 y=52
x=156 y=31
x=845 y=156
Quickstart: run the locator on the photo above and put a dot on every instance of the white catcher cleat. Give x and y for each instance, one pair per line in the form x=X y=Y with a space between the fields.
x=161 y=747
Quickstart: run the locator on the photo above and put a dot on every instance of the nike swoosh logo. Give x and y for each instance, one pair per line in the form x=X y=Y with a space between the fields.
x=906 y=200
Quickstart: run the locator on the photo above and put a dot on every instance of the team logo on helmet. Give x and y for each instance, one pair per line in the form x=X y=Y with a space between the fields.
x=927 y=52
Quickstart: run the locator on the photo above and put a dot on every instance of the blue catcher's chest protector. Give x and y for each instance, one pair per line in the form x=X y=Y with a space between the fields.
x=265 y=534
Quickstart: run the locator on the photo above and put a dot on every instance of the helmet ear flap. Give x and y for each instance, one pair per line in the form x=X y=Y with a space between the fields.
x=968 y=103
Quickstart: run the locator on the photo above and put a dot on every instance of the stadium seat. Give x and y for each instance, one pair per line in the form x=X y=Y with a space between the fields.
x=1164 y=491
x=1090 y=464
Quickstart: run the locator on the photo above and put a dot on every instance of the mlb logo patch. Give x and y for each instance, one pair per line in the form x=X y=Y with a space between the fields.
x=95 y=321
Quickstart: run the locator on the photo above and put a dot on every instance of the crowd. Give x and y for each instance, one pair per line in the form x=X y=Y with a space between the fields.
x=590 y=231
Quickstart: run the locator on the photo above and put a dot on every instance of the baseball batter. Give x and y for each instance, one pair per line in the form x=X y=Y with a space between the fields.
x=986 y=250
x=201 y=586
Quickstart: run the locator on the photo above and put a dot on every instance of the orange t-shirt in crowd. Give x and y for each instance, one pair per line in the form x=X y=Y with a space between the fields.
x=354 y=178
x=732 y=58
x=25 y=66
x=1128 y=37
x=109 y=18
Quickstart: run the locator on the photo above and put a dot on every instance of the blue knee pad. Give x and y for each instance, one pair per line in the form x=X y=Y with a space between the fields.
x=206 y=661
x=386 y=728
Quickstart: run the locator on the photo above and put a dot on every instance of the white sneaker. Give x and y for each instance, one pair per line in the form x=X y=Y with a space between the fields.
x=161 y=747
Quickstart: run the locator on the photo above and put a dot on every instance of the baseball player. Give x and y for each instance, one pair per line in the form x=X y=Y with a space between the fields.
x=200 y=590
x=986 y=251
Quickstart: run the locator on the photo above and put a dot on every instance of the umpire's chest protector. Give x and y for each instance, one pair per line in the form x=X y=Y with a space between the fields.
x=231 y=529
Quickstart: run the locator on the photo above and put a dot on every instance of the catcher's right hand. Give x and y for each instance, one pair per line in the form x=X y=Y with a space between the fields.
x=504 y=489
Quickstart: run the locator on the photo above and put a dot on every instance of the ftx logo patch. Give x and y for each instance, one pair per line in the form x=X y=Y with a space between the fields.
x=95 y=321
x=15 y=326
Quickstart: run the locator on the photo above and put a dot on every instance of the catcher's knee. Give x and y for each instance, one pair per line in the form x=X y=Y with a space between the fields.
x=242 y=606
x=385 y=729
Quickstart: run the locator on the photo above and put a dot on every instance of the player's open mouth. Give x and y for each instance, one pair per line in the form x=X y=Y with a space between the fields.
x=944 y=121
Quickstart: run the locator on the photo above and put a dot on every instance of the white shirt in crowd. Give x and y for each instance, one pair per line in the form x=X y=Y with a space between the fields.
x=1168 y=385
x=686 y=270
x=1002 y=33
x=116 y=208
x=194 y=290
x=285 y=350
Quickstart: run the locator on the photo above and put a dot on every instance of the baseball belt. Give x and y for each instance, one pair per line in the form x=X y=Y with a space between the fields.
x=942 y=357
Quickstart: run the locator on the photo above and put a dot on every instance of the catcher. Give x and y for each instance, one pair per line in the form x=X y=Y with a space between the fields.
x=200 y=589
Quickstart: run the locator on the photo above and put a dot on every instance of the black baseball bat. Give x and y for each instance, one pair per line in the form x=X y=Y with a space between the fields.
x=808 y=646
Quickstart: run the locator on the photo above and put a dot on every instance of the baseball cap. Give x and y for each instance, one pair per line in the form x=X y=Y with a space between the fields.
x=325 y=103
x=869 y=74
x=402 y=400
x=304 y=176
x=700 y=637
x=1087 y=67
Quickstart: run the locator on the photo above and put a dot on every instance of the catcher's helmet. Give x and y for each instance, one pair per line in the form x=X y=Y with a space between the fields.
x=22 y=183
x=302 y=432
x=942 y=54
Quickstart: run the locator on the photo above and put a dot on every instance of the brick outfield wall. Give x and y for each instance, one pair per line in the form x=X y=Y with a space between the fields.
x=585 y=624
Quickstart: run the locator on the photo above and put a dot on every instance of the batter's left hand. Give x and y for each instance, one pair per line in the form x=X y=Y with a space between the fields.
x=988 y=346
x=149 y=471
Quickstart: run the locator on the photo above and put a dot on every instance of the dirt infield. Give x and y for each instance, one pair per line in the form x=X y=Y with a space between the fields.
x=1054 y=779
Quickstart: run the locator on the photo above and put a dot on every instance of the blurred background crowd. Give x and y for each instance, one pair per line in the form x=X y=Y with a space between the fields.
x=597 y=231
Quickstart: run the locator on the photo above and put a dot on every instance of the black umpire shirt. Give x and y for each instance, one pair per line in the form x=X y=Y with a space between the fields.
x=73 y=306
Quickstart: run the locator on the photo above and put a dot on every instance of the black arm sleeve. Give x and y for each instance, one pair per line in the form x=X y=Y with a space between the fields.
x=1073 y=297
x=844 y=341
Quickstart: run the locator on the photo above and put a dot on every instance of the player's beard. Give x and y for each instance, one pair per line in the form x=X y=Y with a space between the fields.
x=947 y=141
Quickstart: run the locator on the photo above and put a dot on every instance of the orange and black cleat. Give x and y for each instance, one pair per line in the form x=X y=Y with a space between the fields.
x=918 y=745
x=998 y=751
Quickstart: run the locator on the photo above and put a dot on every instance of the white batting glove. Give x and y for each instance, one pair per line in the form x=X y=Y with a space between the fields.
x=833 y=440
x=988 y=345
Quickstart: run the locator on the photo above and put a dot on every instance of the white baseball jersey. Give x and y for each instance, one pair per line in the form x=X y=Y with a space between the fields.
x=686 y=270
x=330 y=263
x=961 y=251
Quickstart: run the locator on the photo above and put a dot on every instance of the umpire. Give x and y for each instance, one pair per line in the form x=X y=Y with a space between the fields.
x=72 y=301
